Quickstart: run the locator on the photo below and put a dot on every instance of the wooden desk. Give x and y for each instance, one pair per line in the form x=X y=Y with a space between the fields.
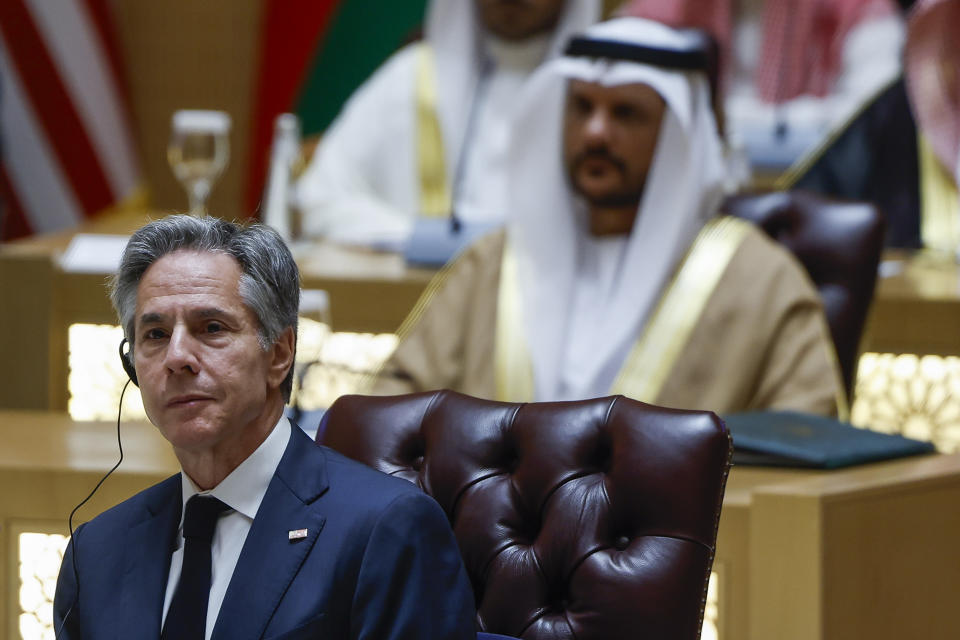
x=49 y=463
x=369 y=292
x=916 y=308
x=869 y=552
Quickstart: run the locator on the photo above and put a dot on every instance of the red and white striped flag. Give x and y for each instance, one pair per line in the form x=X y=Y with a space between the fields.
x=66 y=144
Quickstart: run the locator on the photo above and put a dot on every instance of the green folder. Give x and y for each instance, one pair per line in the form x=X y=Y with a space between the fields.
x=793 y=439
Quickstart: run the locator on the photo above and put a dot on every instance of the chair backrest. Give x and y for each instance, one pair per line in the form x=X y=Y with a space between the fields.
x=593 y=519
x=839 y=243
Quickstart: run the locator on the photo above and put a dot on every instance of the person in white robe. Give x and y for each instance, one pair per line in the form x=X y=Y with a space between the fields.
x=615 y=273
x=427 y=134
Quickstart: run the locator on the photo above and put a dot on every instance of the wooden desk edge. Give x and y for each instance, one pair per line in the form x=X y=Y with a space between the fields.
x=905 y=474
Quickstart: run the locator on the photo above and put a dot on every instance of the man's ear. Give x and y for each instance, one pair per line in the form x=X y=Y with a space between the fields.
x=281 y=357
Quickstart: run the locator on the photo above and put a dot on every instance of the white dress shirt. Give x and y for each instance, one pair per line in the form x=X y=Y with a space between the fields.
x=242 y=491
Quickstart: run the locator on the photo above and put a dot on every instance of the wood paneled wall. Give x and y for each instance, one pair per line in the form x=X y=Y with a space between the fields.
x=185 y=54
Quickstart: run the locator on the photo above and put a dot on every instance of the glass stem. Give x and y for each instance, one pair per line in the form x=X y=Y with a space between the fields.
x=197 y=194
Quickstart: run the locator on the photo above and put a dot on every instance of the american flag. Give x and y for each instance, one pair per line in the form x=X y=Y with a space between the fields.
x=65 y=130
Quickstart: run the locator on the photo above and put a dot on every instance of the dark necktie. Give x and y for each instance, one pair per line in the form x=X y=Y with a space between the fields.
x=187 y=616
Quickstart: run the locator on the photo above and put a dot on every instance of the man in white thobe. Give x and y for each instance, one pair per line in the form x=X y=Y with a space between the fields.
x=427 y=134
x=615 y=273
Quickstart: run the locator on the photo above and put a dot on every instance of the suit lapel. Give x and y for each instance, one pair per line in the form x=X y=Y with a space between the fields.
x=147 y=548
x=270 y=559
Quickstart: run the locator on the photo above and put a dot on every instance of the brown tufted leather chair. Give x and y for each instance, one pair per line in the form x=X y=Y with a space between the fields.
x=593 y=520
x=839 y=243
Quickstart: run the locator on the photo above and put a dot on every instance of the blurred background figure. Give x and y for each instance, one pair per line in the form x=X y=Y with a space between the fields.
x=933 y=83
x=791 y=70
x=427 y=134
x=933 y=77
x=900 y=149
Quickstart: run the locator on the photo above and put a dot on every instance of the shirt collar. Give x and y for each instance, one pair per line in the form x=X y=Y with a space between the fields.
x=243 y=489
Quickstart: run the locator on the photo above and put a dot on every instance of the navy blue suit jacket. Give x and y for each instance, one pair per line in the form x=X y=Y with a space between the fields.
x=379 y=561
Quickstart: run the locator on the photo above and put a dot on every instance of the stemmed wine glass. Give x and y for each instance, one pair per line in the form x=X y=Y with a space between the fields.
x=198 y=152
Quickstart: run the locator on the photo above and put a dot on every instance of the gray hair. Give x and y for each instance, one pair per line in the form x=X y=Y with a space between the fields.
x=269 y=283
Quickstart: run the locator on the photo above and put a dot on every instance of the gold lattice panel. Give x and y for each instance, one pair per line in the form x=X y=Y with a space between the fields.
x=37 y=554
x=332 y=364
x=328 y=365
x=916 y=396
x=95 y=376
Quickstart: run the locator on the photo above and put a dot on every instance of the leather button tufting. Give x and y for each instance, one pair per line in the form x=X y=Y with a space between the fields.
x=550 y=497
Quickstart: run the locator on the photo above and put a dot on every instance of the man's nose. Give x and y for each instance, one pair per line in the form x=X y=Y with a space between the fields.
x=597 y=126
x=181 y=352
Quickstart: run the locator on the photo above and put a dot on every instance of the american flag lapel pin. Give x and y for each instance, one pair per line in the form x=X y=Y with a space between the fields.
x=297 y=534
